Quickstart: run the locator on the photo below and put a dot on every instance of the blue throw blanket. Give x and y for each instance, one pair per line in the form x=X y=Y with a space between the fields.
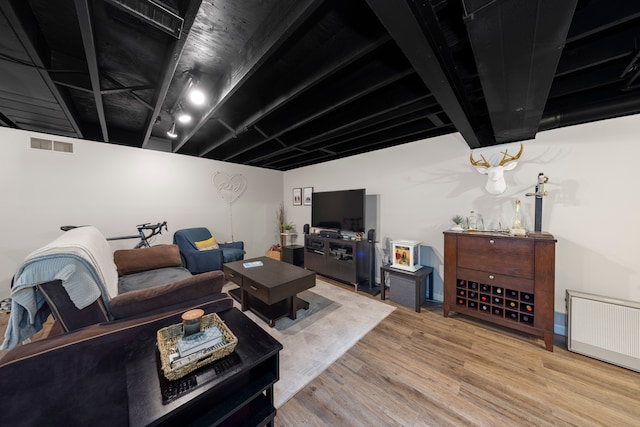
x=28 y=311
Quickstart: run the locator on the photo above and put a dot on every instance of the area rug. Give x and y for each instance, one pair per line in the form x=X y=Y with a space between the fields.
x=335 y=321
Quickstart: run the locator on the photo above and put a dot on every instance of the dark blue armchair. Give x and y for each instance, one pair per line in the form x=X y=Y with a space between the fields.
x=200 y=261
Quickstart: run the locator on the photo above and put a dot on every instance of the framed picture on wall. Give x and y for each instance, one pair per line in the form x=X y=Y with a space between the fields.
x=297 y=197
x=306 y=195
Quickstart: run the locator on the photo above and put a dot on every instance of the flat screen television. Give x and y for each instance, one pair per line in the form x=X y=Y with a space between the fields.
x=340 y=210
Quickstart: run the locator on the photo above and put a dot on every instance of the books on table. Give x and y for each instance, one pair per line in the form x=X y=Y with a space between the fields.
x=202 y=340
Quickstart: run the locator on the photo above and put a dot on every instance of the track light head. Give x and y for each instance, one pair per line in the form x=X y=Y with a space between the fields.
x=171 y=133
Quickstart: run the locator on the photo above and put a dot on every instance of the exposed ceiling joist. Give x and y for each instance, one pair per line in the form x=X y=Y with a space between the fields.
x=86 y=29
x=403 y=26
x=25 y=27
x=170 y=63
x=263 y=44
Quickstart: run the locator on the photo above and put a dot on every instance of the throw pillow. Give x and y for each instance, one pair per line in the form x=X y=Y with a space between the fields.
x=207 y=245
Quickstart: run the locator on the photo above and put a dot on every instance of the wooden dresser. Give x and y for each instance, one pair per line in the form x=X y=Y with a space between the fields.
x=502 y=279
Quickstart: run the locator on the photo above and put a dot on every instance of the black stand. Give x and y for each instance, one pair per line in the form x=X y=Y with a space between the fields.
x=372 y=288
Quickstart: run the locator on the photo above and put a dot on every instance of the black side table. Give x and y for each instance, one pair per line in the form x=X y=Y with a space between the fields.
x=234 y=390
x=400 y=278
x=293 y=254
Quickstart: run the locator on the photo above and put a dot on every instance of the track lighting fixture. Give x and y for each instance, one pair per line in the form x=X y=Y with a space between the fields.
x=171 y=133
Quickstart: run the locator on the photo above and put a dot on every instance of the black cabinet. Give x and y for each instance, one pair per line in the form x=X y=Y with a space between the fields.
x=344 y=260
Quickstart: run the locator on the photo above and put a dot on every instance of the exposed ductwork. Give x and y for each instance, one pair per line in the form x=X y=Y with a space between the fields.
x=517 y=46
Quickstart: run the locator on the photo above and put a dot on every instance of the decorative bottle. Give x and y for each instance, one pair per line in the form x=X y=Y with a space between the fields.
x=517 y=228
x=472 y=221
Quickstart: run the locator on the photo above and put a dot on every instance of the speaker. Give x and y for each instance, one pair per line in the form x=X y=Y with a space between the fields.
x=371 y=236
x=305 y=228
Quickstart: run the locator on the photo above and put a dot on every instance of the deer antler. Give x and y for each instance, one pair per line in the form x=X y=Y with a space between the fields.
x=509 y=158
x=478 y=162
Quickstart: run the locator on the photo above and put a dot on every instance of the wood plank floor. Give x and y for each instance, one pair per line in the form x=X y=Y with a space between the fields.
x=422 y=369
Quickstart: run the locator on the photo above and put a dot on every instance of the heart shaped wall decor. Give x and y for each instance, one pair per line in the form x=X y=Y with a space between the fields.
x=229 y=188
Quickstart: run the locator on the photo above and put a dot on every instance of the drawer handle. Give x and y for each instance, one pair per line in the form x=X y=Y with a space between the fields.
x=492 y=241
x=491 y=276
x=231 y=275
x=253 y=288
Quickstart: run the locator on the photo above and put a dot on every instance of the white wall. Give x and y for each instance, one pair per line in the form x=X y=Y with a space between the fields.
x=592 y=208
x=115 y=188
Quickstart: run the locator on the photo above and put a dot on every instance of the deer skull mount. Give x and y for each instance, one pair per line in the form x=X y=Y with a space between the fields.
x=495 y=182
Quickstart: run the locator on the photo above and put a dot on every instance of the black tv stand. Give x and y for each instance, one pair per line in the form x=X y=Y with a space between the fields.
x=340 y=259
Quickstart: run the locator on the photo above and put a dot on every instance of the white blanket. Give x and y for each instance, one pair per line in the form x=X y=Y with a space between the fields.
x=89 y=244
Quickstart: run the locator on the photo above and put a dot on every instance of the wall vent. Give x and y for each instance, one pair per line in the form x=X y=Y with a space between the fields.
x=65 y=147
x=49 y=145
x=604 y=328
x=41 y=144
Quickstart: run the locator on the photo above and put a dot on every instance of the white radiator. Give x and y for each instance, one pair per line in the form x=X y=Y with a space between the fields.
x=604 y=328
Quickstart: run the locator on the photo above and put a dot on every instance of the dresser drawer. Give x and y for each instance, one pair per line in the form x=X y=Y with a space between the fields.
x=255 y=289
x=495 y=279
x=232 y=276
x=509 y=256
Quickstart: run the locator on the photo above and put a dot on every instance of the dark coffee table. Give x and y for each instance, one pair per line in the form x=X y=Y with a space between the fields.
x=270 y=290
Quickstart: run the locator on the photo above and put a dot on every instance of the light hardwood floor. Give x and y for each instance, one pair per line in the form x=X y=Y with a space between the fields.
x=422 y=369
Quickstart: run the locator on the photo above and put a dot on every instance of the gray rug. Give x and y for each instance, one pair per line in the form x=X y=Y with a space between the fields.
x=335 y=321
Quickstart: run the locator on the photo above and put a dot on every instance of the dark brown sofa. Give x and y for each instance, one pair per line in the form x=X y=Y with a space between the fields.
x=78 y=378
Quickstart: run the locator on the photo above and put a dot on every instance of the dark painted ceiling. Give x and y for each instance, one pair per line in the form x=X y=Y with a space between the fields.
x=297 y=82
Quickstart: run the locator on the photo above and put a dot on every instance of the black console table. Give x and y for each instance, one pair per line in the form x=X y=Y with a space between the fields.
x=235 y=390
x=410 y=285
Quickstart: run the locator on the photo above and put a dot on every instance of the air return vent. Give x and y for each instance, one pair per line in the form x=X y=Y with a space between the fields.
x=153 y=13
x=47 y=144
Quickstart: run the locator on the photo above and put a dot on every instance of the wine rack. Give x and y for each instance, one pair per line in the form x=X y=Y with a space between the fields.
x=505 y=303
x=502 y=279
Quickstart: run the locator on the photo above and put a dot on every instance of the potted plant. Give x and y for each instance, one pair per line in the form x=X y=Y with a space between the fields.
x=457 y=223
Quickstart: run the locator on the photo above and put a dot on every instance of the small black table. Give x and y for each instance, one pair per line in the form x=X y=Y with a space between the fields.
x=417 y=276
x=235 y=390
